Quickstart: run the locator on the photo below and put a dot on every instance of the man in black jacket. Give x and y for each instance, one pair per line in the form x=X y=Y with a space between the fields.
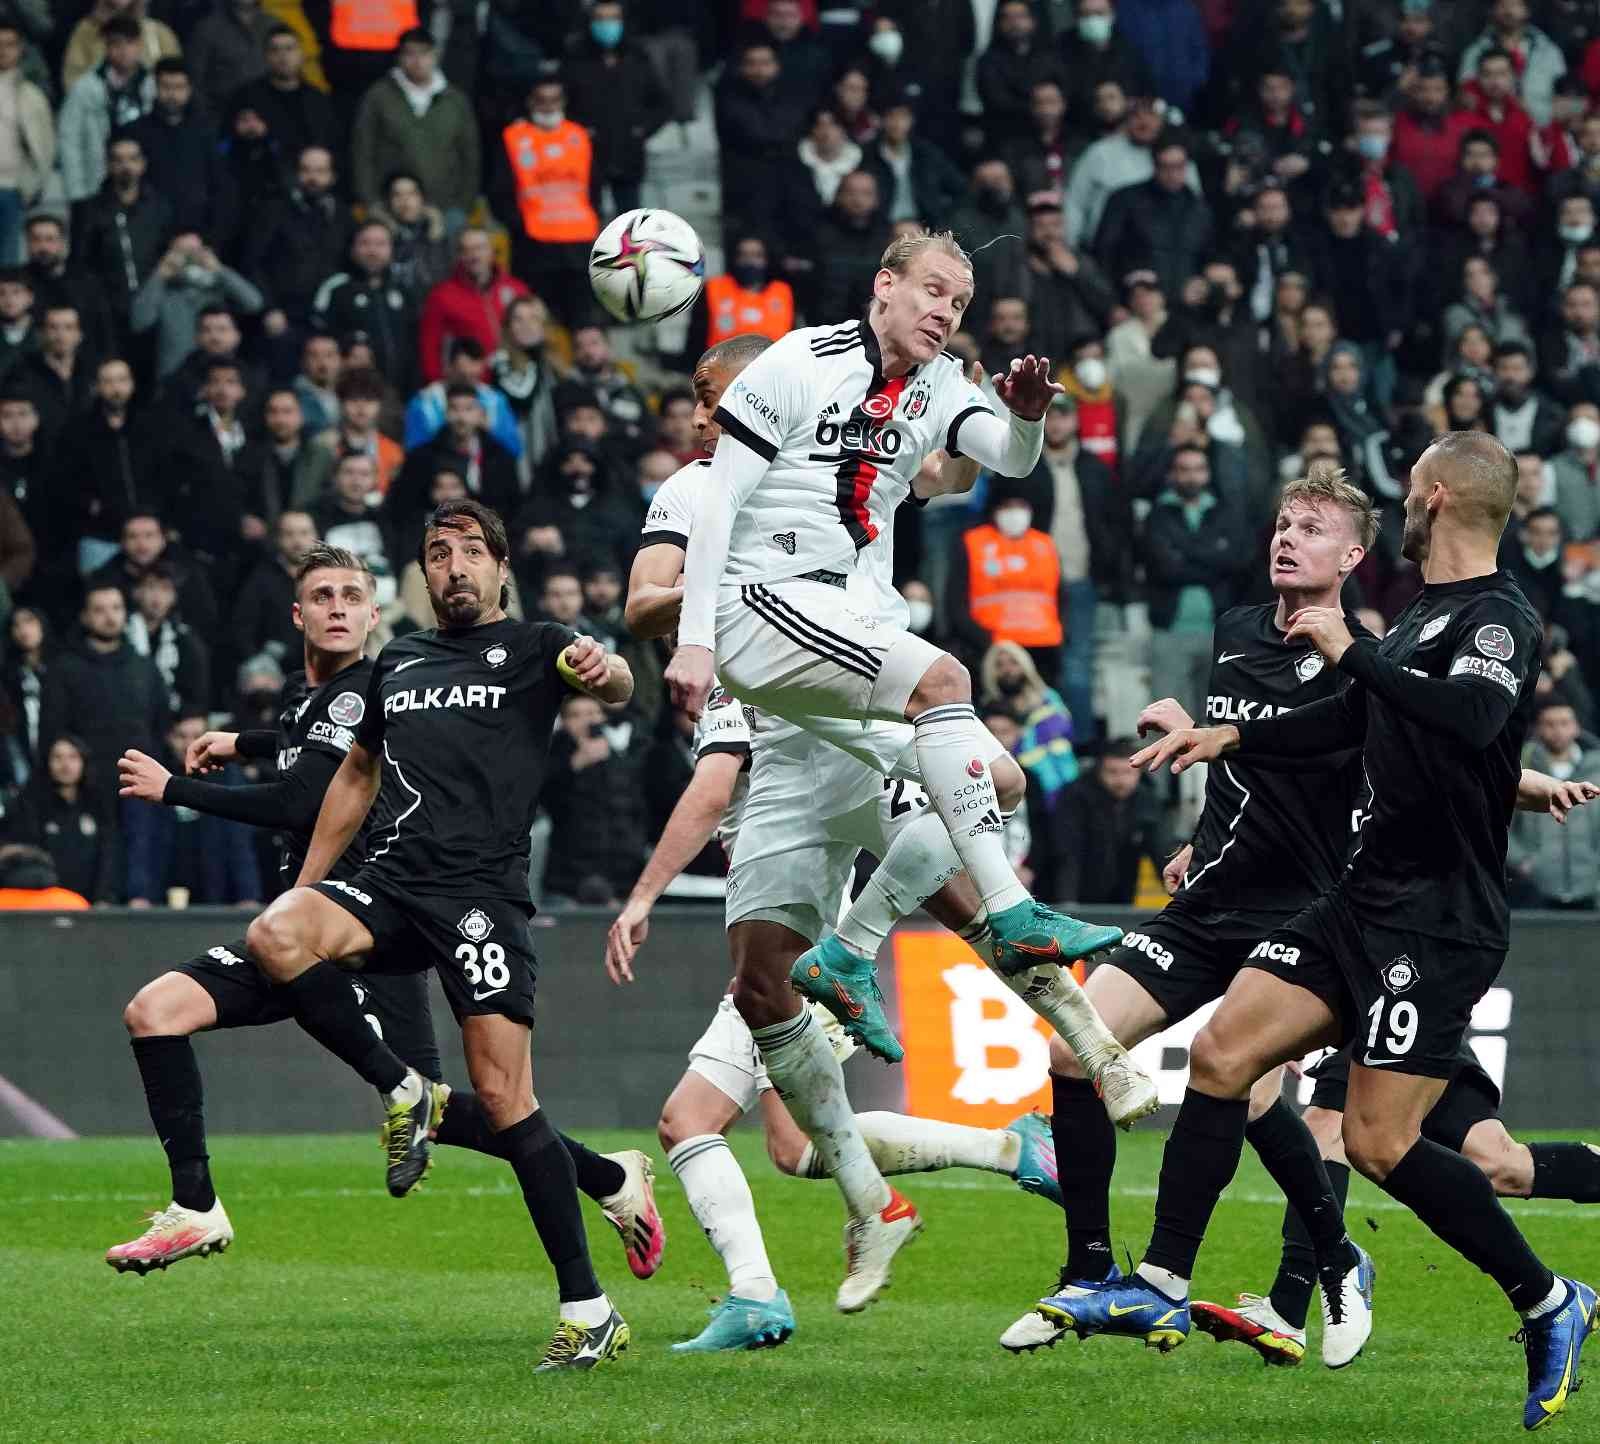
x=1067 y=294
x=144 y=544
x=182 y=151
x=105 y=692
x=299 y=243
x=463 y=446
x=848 y=247
x=917 y=181
x=1014 y=63
x=369 y=298
x=263 y=612
x=1523 y=417
x=271 y=119
x=758 y=123
x=615 y=91
x=120 y=234
x=110 y=459
x=1101 y=828
x=59 y=280
x=60 y=375
x=215 y=475
x=1093 y=52
x=1158 y=225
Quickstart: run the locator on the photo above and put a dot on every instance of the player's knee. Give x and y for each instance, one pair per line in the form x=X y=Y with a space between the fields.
x=1010 y=783
x=946 y=681
x=1375 y=1151
x=1216 y=1068
x=1063 y=1061
x=762 y=999
x=1327 y=1127
x=271 y=942
x=143 y=1016
x=1507 y=1164
x=674 y=1126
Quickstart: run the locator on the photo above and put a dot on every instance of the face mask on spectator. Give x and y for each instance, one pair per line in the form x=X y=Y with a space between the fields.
x=1096 y=29
x=750 y=277
x=1203 y=376
x=1484 y=182
x=1013 y=521
x=1583 y=432
x=1373 y=147
x=1575 y=235
x=606 y=32
x=992 y=200
x=1010 y=686
x=922 y=614
x=887 y=45
x=1225 y=426
x=547 y=119
x=1091 y=373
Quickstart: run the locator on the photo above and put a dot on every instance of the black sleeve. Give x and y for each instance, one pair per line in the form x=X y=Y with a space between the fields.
x=257 y=744
x=1334 y=724
x=370 y=733
x=1460 y=706
x=290 y=804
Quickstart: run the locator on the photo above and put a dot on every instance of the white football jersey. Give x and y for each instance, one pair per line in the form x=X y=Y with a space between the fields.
x=725 y=725
x=843 y=446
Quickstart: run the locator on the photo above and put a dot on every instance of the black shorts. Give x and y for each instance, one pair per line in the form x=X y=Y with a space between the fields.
x=481 y=948
x=1403 y=999
x=396 y=1004
x=1470 y=1098
x=1185 y=958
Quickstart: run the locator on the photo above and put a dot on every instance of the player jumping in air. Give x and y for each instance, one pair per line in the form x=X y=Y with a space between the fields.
x=223 y=988
x=1393 y=957
x=451 y=742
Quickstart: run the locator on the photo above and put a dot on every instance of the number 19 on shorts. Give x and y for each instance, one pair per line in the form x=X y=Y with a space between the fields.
x=491 y=972
x=1399 y=1030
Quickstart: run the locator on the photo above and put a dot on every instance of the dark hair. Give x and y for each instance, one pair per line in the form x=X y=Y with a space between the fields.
x=279 y=31
x=213 y=308
x=559 y=569
x=14 y=395
x=1119 y=747
x=458 y=389
x=400 y=175
x=1478 y=137
x=466 y=346
x=362 y=383
x=120 y=27
x=1540 y=512
x=160 y=570
x=45 y=218
x=417 y=35
x=322 y=557
x=1193 y=446
x=1512 y=348
x=171 y=65
x=15 y=276
x=597 y=567
x=455 y=515
x=735 y=352
x=224 y=363
x=1495 y=52
x=122 y=137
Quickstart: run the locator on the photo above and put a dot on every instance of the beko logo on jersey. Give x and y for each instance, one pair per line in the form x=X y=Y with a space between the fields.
x=875 y=438
x=421 y=699
x=1470 y=666
x=1236 y=709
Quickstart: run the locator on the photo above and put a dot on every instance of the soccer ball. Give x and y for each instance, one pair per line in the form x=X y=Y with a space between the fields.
x=647 y=265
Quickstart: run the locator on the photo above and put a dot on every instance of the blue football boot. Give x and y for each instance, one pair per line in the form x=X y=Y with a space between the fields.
x=1036 y=1158
x=743 y=1324
x=847 y=986
x=1554 y=1344
x=1129 y=1307
x=1030 y=935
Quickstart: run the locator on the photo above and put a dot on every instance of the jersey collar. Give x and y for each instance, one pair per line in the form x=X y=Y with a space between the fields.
x=874 y=353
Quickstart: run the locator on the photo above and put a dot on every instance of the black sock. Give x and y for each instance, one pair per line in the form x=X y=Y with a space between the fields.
x=549 y=1188
x=1290 y=1154
x=1086 y=1154
x=1201 y=1157
x=1565 y=1170
x=465 y=1126
x=172 y=1089
x=1297 y=1269
x=1457 y=1202
x=326 y=1008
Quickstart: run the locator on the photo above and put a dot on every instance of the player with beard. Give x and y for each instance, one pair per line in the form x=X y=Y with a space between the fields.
x=1395 y=955
x=451 y=744
x=223 y=988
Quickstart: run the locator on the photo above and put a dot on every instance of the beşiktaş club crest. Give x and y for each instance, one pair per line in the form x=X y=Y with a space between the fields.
x=1433 y=628
x=1400 y=975
x=496 y=655
x=1308 y=666
x=475 y=926
x=347 y=709
x=916 y=403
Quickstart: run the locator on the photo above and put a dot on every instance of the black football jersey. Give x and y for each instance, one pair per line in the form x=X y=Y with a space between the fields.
x=323 y=720
x=1271 y=837
x=462 y=720
x=1433 y=848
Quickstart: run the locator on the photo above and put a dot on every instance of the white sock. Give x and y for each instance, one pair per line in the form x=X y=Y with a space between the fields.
x=919 y=861
x=1551 y=1301
x=1053 y=993
x=902 y=1144
x=1164 y=1281
x=802 y=1068
x=957 y=781
x=719 y=1199
x=409 y=1091
x=589 y=1313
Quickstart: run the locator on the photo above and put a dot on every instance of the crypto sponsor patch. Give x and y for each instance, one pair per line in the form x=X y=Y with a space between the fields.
x=1470 y=666
x=1495 y=641
x=347 y=709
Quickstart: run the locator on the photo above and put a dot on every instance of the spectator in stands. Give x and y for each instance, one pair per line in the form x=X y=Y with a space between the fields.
x=1160 y=224
x=216 y=338
x=315 y=385
x=1583 y=176
x=1524 y=418
x=59 y=377
x=1041 y=159
x=371 y=298
x=1088 y=383
x=75 y=819
x=422 y=251
x=27 y=142
x=351 y=515
x=27 y=478
x=361 y=396
x=655 y=469
x=27 y=659
x=990 y=212
x=18 y=335
x=1393 y=203
x=850 y=243
x=157 y=631
x=1196 y=553
x=1007 y=71
x=826 y=156
x=1428 y=131
x=1534 y=556
x=1557 y=865
x=185 y=163
x=561 y=598
x=1491 y=100
x=758 y=121
x=1141 y=378
x=1577 y=473
x=295 y=470
x=103 y=692
x=1007 y=334
x=472 y=303
x=1536 y=59
x=576 y=513
x=1482 y=304
x=276 y=115
x=463 y=445
x=526 y=378
x=804 y=60
x=112 y=95
x=1109 y=822
x=1388 y=65
x=1118 y=159
x=587 y=778
x=120 y=234
x=17 y=553
x=676 y=429
x=113 y=455
x=1569 y=352
x=917 y=178
x=188 y=285
x=413 y=120
x=217 y=468
x=88 y=45
x=299 y=243
x=262 y=620
x=1043 y=744
x=175 y=850
x=1067 y=293
x=1367 y=276
x=615 y=93
x=1094 y=51
x=1477 y=176
x=226 y=49
x=59 y=279
x=1006 y=584
x=426 y=413
x=747 y=299
x=596 y=370
x=849 y=98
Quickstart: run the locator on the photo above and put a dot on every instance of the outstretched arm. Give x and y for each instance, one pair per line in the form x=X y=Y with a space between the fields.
x=1539 y=792
x=1011 y=446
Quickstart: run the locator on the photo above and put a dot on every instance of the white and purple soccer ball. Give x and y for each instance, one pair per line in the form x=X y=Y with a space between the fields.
x=647 y=265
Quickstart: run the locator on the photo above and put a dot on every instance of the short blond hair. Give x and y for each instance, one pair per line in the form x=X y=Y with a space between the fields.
x=1325 y=483
x=903 y=250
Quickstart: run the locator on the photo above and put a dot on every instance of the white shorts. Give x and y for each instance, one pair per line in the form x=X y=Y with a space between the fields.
x=726 y=1056
x=806 y=649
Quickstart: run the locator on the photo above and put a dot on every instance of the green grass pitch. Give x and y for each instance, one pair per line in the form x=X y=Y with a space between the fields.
x=341 y=1314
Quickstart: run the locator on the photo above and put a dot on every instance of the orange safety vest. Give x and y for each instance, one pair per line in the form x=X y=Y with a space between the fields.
x=371 y=24
x=47 y=899
x=551 y=170
x=1014 y=587
x=733 y=311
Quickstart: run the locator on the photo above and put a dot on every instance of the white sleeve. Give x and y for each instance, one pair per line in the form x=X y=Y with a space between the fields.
x=1004 y=444
x=670 y=517
x=755 y=415
x=723 y=726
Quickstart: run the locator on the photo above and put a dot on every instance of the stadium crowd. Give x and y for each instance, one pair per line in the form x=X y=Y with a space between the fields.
x=280 y=270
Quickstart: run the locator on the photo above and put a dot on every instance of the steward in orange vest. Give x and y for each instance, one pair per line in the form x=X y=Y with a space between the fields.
x=550 y=170
x=732 y=310
x=1009 y=589
x=370 y=24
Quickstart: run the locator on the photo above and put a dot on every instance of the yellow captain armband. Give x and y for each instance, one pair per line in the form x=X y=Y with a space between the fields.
x=565 y=671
